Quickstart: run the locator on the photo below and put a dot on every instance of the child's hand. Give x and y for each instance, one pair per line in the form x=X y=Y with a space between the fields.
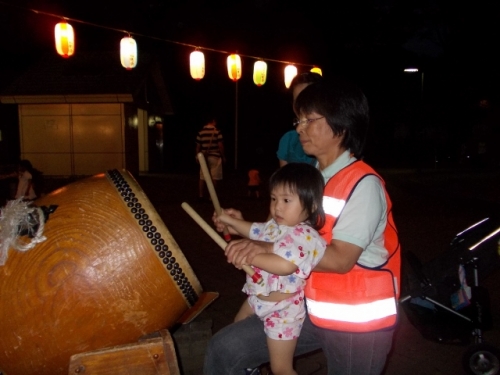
x=232 y=220
x=219 y=225
x=222 y=220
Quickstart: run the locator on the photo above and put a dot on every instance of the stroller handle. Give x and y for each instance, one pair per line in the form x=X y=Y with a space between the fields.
x=486 y=238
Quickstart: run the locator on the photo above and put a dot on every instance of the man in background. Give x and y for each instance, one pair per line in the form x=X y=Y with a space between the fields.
x=210 y=142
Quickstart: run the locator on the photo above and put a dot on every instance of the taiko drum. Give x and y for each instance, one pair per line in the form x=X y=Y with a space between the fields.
x=108 y=273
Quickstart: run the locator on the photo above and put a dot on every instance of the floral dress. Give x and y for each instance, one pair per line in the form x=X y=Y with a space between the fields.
x=303 y=246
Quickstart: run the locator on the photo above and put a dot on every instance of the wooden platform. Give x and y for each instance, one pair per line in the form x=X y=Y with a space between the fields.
x=150 y=356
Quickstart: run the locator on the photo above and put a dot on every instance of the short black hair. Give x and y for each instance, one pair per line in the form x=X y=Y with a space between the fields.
x=308 y=77
x=344 y=106
x=207 y=117
x=308 y=183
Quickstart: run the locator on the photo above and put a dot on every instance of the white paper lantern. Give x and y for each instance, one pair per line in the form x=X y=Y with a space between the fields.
x=197 y=64
x=290 y=73
x=128 y=52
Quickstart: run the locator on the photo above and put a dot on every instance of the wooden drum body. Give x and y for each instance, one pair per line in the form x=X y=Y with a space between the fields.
x=108 y=273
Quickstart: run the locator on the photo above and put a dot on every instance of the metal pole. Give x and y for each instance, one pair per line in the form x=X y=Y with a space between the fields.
x=422 y=88
x=422 y=109
x=236 y=126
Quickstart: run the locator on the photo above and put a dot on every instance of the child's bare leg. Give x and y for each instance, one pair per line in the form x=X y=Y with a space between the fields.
x=245 y=311
x=281 y=356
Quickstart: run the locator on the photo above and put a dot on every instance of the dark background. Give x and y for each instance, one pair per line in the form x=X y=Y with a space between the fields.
x=434 y=124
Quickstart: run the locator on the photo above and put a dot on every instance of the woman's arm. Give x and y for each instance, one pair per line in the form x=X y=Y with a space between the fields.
x=259 y=254
x=340 y=257
x=243 y=251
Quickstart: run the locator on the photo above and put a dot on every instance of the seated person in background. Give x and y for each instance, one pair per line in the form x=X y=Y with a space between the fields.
x=26 y=175
x=25 y=186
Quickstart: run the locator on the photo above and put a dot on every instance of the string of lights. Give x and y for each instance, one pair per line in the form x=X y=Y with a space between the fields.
x=64 y=39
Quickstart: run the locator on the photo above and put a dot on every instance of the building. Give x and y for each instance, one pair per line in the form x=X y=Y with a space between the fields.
x=86 y=114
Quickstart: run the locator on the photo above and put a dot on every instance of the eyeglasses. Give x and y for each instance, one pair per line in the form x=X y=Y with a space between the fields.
x=306 y=122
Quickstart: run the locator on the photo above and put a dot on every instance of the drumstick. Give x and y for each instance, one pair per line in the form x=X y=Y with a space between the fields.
x=218 y=239
x=211 y=190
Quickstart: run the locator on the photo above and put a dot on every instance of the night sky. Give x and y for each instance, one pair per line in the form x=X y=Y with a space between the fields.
x=369 y=41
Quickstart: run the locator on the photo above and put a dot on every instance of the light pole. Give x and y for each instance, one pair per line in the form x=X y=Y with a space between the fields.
x=236 y=125
x=422 y=106
x=415 y=70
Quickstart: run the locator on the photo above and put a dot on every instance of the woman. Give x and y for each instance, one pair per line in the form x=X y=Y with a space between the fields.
x=352 y=294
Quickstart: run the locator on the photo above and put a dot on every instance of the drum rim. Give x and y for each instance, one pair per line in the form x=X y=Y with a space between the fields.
x=136 y=201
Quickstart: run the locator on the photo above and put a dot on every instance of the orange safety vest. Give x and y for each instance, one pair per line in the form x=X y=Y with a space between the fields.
x=364 y=299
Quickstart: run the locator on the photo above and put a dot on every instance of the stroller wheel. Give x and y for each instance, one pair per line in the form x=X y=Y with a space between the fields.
x=481 y=359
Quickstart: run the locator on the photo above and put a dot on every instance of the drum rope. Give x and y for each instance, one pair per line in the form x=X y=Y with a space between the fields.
x=20 y=217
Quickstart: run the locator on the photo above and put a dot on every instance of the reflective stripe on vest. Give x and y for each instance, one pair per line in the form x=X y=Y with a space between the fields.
x=333 y=206
x=360 y=313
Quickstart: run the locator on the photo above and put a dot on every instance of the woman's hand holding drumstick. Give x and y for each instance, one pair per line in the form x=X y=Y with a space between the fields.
x=218 y=239
x=211 y=190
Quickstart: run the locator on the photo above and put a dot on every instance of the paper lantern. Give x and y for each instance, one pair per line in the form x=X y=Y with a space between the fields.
x=259 y=72
x=65 y=39
x=128 y=52
x=290 y=73
x=197 y=65
x=234 y=67
x=317 y=70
